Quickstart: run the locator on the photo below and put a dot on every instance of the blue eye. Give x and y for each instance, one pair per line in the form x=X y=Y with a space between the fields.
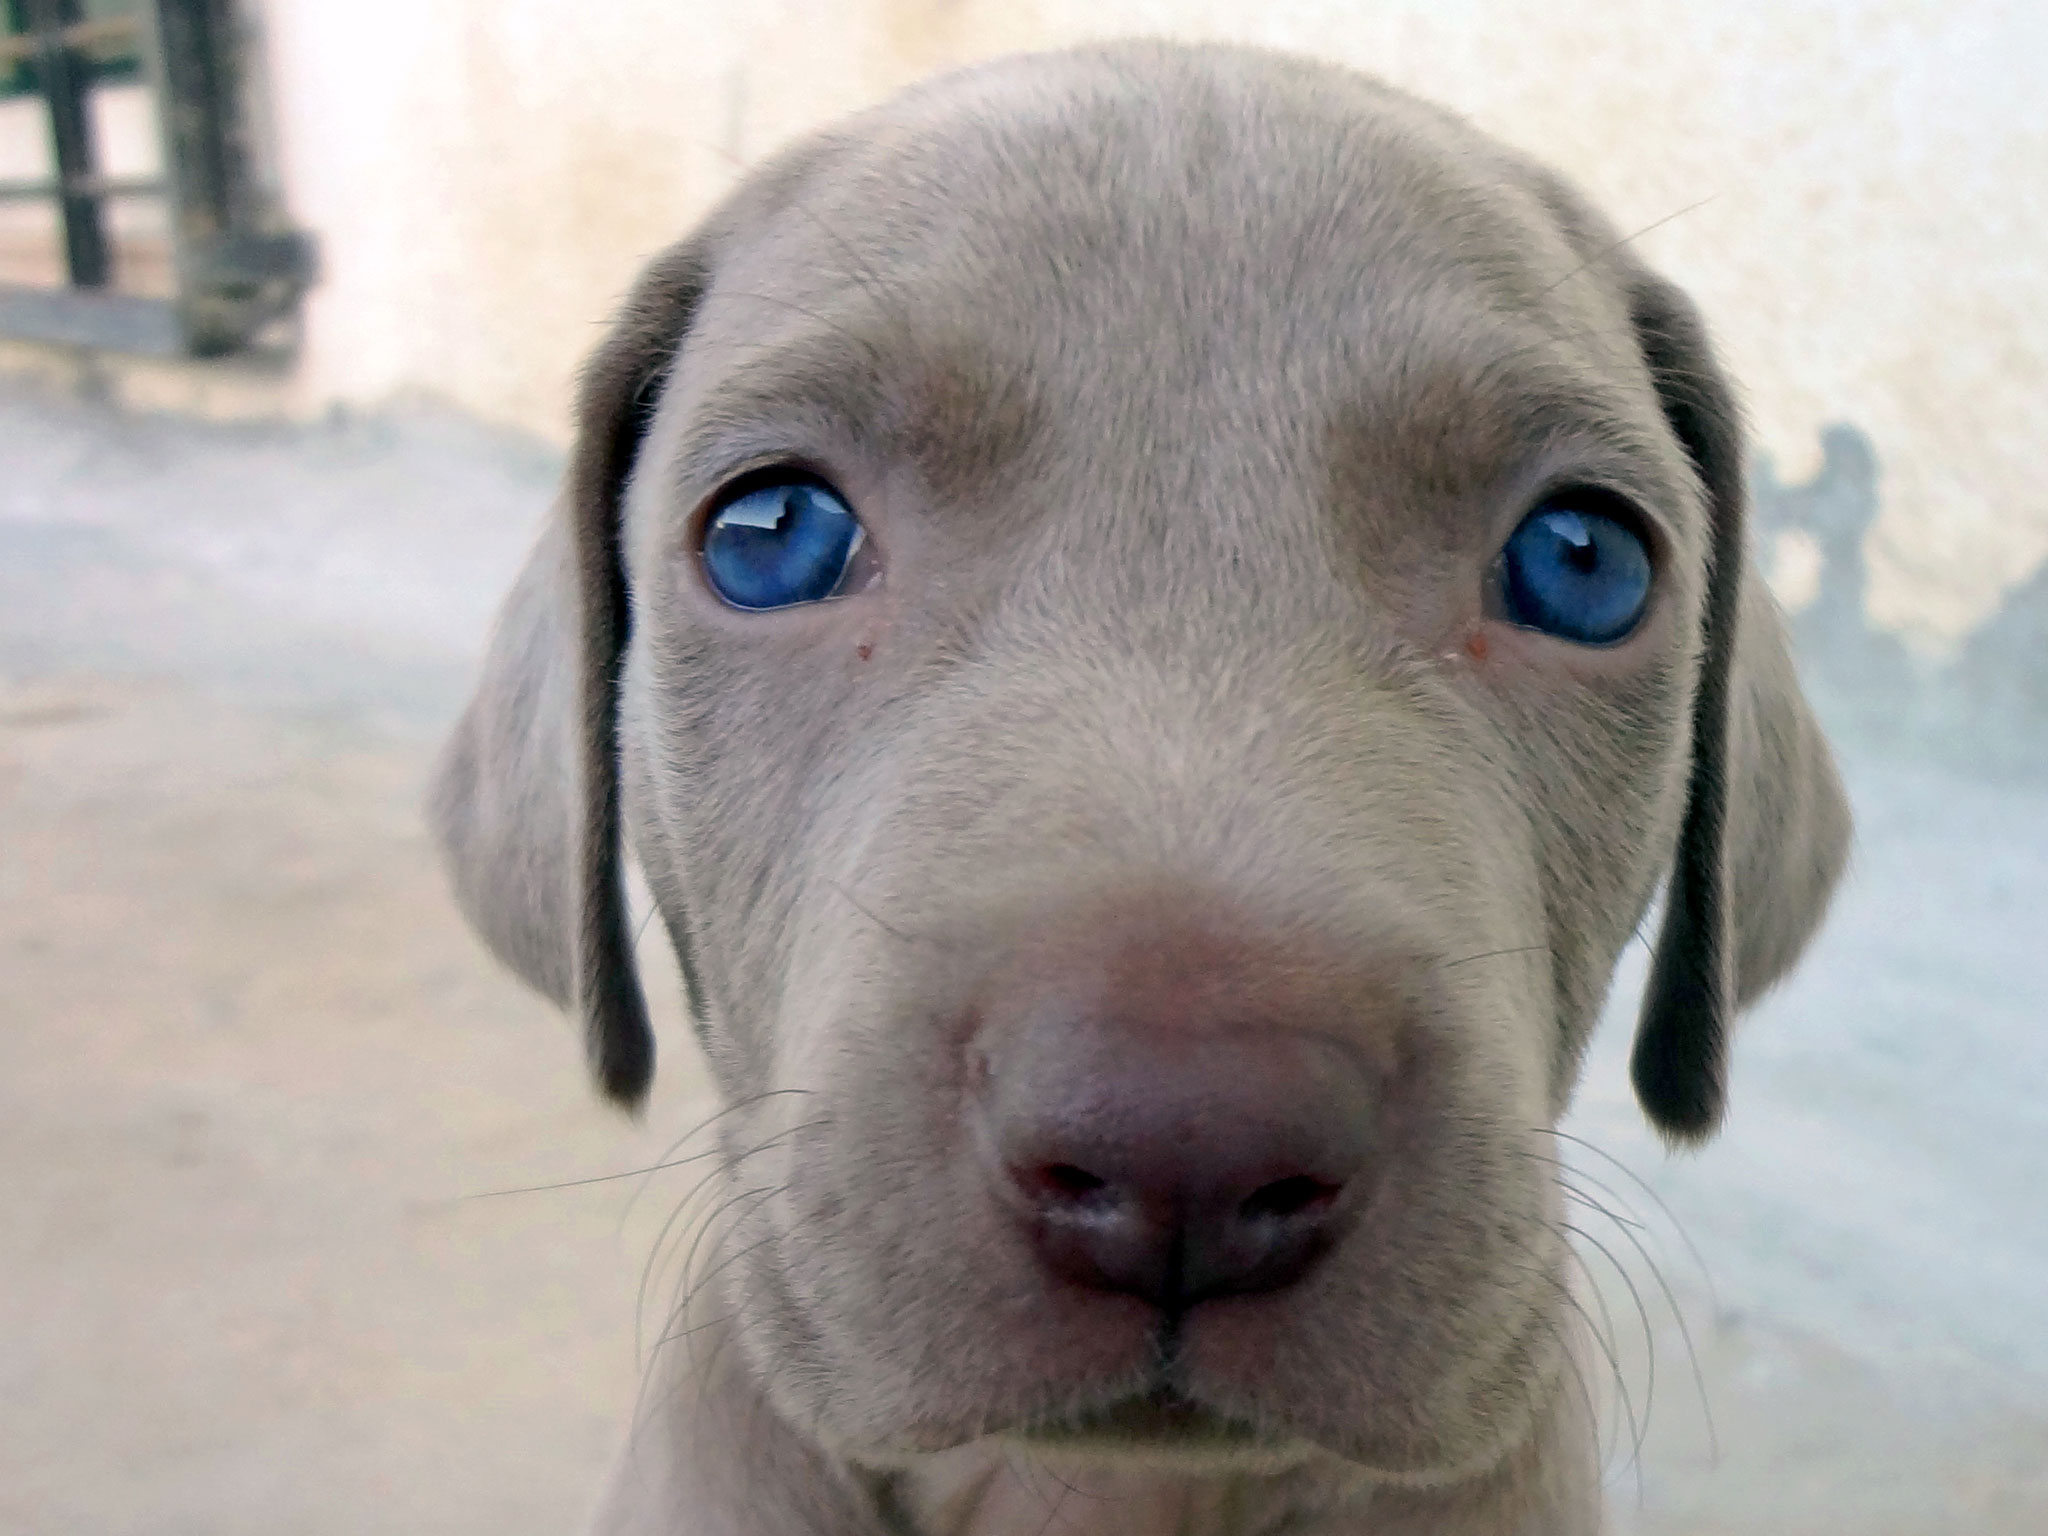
x=782 y=543
x=1576 y=574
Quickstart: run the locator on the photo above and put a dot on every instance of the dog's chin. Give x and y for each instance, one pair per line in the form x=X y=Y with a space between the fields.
x=1160 y=1432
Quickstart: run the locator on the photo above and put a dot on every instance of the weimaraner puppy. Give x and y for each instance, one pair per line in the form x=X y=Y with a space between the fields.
x=1154 y=618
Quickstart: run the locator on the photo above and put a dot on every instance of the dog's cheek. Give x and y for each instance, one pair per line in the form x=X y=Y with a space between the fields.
x=724 y=744
x=1601 y=771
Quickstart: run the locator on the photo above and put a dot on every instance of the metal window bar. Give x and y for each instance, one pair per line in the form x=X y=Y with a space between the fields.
x=238 y=267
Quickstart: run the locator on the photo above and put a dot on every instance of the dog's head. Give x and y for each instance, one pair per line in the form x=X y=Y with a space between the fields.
x=1155 y=619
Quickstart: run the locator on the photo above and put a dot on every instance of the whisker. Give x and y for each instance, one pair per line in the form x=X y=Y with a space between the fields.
x=1572 y=1192
x=846 y=333
x=1601 y=1341
x=1692 y=1354
x=723 y=1264
x=751 y=1101
x=656 y=1253
x=1052 y=1506
x=1601 y=255
x=654 y=1264
x=1610 y=1346
x=600 y=1178
x=690 y=1281
x=1568 y=1171
x=676 y=1334
x=1642 y=1315
x=1605 y=1334
x=684 y=1294
x=1493 y=954
x=631 y=1173
x=1067 y=1489
x=1571 y=1360
x=1699 y=1260
x=890 y=929
x=863 y=274
x=1630 y=1230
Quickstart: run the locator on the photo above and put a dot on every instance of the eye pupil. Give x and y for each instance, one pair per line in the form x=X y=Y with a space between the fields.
x=1579 y=575
x=780 y=543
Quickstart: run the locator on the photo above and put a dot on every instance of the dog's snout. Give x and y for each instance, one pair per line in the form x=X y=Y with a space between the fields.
x=1172 y=1129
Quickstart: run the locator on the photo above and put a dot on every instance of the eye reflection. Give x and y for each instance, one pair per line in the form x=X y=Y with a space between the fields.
x=1575 y=573
x=781 y=543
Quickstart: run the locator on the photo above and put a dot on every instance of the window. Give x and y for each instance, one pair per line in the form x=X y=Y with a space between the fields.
x=132 y=215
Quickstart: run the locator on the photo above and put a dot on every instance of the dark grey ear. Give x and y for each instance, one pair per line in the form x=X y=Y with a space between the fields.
x=1766 y=829
x=525 y=802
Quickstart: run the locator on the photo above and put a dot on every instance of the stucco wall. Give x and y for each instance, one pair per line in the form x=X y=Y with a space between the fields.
x=1857 y=193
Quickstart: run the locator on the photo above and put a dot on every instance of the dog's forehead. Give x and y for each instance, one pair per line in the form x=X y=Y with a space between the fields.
x=1054 y=193
x=1172 y=247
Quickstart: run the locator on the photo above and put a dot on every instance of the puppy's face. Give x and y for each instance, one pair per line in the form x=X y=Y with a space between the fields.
x=1170 y=597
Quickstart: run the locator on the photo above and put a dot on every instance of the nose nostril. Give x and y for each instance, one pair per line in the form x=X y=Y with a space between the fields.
x=1296 y=1196
x=1065 y=1182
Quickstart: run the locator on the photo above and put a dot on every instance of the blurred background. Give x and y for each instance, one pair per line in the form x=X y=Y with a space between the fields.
x=291 y=296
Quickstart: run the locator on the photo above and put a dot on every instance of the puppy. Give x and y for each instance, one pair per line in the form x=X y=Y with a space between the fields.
x=1155 y=618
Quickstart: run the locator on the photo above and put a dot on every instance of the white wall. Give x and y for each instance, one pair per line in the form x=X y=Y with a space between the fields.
x=1856 y=190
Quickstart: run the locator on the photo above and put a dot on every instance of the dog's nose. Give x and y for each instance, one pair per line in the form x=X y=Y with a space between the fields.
x=1179 y=1197
x=1171 y=1143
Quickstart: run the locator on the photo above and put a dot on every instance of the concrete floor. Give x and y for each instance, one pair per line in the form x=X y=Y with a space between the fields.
x=250 y=1067
x=253 y=1068
x=255 y=1075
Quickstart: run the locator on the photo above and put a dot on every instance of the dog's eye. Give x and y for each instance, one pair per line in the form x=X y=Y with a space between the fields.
x=1575 y=572
x=779 y=542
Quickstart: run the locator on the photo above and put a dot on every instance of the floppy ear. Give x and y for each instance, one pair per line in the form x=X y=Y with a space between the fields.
x=525 y=801
x=1766 y=829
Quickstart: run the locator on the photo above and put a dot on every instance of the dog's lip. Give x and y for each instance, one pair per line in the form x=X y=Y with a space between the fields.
x=1152 y=1419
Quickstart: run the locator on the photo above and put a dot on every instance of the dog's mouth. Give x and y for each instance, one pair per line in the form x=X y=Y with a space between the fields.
x=1160 y=1425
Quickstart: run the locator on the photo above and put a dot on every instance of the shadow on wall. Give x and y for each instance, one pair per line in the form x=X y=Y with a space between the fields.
x=1986 y=710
